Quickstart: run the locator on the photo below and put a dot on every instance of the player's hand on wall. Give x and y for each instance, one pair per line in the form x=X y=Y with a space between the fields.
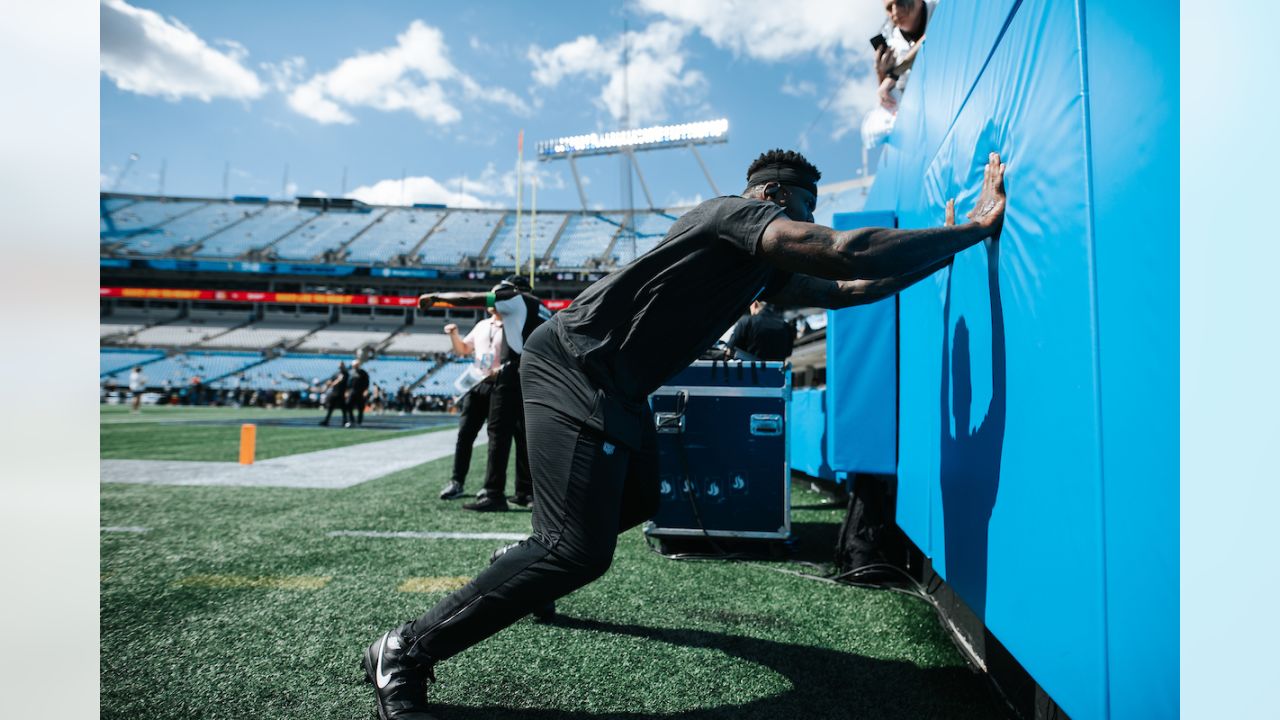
x=950 y=213
x=989 y=211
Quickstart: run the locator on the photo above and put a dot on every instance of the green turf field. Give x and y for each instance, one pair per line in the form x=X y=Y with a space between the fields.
x=181 y=433
x=235 y=604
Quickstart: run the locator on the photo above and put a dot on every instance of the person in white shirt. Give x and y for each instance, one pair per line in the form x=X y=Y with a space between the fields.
x=137 y=383
x=483 y=344
x=903 y=35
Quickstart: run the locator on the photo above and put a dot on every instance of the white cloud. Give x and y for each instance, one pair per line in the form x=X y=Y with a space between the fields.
x=491 y=183
x=802 y=88
x=490 y=189
x=145 y=53
x=414 y=75
x=770 y=31
x=655 y=75
x=417 y=189
x=852 y=101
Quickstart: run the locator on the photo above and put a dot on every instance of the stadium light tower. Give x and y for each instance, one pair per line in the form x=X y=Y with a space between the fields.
x=629 y=142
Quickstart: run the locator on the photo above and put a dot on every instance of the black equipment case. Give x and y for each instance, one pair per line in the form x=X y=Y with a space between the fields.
x=722 y=451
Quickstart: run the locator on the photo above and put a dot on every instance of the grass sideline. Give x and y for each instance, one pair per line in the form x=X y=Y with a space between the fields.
x=178 y=434
x=235 y=604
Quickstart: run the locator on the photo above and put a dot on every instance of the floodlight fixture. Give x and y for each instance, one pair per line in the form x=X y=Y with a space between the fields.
x=627 y=141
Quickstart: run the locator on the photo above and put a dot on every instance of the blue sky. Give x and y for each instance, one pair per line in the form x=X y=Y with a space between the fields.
x=439 y=91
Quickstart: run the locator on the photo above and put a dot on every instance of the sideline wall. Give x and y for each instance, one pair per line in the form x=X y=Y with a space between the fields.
x=1038 y=402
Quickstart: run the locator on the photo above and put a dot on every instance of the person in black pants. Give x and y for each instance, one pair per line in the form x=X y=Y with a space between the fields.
x=357 y=387
x=335 y=392
x=483 y=343
x=521 y=313
x=588 y=372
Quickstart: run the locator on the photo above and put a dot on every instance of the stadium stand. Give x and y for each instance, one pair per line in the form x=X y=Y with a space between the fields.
x=584 y=238
x=395 y=233
x=287 y=372
x=181 y=333
x=111 y=360
x=262 y=228
x=145 y=216
x=260 y=336
x=502 y=252
x=327 y=231
x=180 y=369
x=416 y=340
x=463 y=234
x=185 y=230
x=391 y=373
x=440 y=384
x=346 y=337
x=118 y=330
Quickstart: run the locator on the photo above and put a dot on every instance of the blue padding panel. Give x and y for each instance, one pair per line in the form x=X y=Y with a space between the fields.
x=807 y=424
x=1000 y=471
x=1133 y=111
x=862 y=375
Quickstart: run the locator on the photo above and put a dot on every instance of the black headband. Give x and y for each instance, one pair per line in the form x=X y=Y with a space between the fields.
x=783 y=175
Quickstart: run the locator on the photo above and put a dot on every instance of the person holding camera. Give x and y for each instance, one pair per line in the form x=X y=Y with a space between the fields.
x=895 y=53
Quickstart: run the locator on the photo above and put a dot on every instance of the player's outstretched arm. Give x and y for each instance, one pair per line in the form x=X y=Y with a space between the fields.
x=877 y=254
x=465 y=299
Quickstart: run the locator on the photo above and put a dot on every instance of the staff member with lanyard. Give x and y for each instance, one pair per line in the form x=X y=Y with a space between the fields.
x=482 y=344
x=521 y=313
x=588 y=372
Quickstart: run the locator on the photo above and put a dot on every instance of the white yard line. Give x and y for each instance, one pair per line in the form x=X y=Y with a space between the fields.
x=326 y=469
x=125 y=529
x=428 y=535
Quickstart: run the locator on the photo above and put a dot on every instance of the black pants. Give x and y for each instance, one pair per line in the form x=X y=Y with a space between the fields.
x=473 y=411
x=590 y=486
x=332 y=402
x=355 y=408
x=506 y=424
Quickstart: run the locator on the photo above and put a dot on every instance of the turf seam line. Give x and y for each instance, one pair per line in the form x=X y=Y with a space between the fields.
x=125 y=529
x=427 y=535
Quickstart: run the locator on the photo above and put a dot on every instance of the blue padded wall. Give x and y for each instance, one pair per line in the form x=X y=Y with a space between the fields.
x=1133 y=111
x=1031 y=468
x=807 y=425
x=862 y=376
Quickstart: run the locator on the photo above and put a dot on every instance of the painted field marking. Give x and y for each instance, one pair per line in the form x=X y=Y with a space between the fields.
x=236 y=582
x=125 y=529
x=433 y=584
x=427 y=535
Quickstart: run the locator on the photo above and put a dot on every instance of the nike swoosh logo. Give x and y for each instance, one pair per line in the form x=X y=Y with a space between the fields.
x=382 y=679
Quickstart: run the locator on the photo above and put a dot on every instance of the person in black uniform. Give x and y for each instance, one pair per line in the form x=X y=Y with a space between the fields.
x=357 y=387
x=335 y=393
x=763 y=334
x=586 y=375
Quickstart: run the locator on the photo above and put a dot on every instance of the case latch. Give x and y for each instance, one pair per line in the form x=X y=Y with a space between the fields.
x=766 y=425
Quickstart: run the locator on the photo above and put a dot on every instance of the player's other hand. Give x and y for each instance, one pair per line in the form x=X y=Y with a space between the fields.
x=989 y=211
x=950 y=213
x=450 y=329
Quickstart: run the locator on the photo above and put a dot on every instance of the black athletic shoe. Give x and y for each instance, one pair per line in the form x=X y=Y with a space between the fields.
x=544 y=613
x=399 y=684
x=488 y=504
x=452 y=490
x=523 y=500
